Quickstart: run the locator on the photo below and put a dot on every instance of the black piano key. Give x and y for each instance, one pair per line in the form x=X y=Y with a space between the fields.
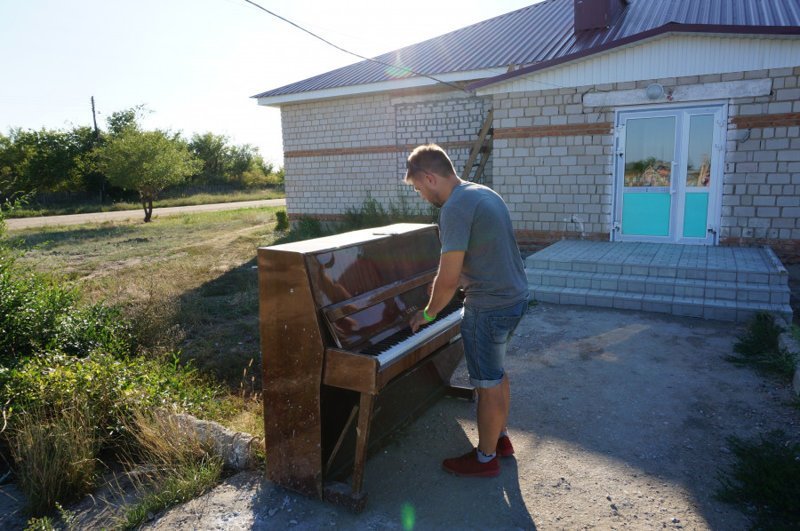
x=404 y=334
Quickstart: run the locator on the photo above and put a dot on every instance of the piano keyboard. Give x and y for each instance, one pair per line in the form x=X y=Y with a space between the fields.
x=407 y=341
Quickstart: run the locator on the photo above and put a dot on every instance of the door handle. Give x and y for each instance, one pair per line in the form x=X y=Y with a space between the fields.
x=672 y=167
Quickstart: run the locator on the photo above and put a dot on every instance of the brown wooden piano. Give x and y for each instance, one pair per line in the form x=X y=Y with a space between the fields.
x=341 y=369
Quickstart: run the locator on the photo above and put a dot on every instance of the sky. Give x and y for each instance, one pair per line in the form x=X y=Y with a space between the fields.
x=195 y=64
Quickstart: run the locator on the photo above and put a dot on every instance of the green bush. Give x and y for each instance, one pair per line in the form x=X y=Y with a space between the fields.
x=113 y=387
x=283 y=220
x=371 y=213
x=765 y=480
x=37 y=314
x=306 y=228
x=760 y=347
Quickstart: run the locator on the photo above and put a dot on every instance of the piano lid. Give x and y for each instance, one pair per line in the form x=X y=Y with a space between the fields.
x=356 y=237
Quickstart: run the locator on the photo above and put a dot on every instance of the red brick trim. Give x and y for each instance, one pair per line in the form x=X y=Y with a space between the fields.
x=788 y=119
x=318 y=217
x=787 y=250
x=535 y=240
x=602 y=128
x=341 y=217
x=365 y=150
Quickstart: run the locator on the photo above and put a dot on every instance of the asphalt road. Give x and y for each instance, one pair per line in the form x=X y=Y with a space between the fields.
x=100 y=217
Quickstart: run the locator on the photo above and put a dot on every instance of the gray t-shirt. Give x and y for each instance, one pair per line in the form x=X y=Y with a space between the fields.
x=475 y=219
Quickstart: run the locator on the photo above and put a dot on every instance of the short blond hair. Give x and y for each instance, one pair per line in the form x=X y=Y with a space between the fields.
x=429 y=158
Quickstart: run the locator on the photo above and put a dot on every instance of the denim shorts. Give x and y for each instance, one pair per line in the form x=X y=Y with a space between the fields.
x=486 y=333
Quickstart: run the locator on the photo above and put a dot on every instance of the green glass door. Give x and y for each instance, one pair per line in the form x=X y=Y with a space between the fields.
x=667 y=173
x=647 y=181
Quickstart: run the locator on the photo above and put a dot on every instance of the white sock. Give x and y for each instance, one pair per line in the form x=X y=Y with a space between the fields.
x=485 y=458
x=503 y=433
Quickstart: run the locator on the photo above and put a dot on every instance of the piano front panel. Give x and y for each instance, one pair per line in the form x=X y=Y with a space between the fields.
x=346 y=272
x=373 y=324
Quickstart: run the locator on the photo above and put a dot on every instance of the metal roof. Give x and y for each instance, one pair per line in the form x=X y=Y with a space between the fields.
x=542 y=35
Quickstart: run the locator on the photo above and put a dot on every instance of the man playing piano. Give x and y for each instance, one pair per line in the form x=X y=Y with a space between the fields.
x=479 y=254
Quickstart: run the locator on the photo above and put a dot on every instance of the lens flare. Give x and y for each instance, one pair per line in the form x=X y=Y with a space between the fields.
x=397 y=71
x=407 y=516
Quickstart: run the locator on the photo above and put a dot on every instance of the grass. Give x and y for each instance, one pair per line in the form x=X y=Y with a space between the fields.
x=34 y=210
x=187 y=287
x=760 y=348
x=188 y=276
x=169 y=465
x=187 y=282
x=55 y=455
x=765 y=481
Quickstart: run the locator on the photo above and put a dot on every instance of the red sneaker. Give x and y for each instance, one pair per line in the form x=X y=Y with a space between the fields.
x=468 y=466
x=504 y=447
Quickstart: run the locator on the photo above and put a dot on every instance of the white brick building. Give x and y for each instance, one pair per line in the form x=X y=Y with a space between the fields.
x=643 y=120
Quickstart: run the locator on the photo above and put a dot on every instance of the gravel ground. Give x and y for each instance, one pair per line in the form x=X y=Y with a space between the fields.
x=619 y=420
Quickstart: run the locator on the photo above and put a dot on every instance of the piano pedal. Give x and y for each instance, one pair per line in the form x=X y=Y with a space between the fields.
x=462 y=392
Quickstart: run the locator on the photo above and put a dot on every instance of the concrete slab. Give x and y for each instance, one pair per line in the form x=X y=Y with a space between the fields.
x=619 y=419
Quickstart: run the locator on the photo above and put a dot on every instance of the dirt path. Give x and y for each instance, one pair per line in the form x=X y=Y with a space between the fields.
x=619 y=420
x=100 y=217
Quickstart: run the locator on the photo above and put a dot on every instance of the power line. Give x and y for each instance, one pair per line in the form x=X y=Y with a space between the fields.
x=403 y=68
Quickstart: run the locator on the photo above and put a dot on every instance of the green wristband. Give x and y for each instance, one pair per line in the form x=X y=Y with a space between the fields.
x=427 y=317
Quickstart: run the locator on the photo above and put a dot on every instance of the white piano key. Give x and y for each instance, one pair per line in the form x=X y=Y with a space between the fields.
x=420 y=337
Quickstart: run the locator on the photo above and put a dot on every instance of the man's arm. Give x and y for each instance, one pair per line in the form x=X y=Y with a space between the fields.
x=444 y=286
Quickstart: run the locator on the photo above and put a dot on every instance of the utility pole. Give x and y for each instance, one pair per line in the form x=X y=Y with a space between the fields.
x=96 y=138
x=94 y=119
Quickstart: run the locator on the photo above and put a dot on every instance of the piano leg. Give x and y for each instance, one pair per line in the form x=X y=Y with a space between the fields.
x=362 y=437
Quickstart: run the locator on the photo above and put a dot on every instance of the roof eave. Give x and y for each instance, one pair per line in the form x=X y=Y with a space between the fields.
x=374 y=88
x=672 y=27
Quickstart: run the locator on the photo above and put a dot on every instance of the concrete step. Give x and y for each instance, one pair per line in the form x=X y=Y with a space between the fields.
x=667 y=260
x=719 y=309
x=655 y=285
x=724 y=283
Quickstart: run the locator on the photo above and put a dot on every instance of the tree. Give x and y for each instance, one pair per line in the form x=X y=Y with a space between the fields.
x=213 y=151
x=121 y=121
x=42 y=161
x=148 y=162
x=223 y=162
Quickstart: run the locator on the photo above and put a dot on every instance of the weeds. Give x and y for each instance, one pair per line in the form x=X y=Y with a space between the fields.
x=66 y=520
x=766 y=481
x=373 y=214
x=370 y=214
x=54 y=453
x=168 y=465
x=760 y=348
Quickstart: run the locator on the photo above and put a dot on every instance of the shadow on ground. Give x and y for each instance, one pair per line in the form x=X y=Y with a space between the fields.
x=619 y=419
x=221 y=321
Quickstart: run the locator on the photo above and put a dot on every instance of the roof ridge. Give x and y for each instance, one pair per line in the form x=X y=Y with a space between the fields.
x=541 y=34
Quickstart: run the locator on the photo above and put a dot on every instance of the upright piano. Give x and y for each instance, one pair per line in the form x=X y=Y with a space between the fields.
x=341 y=369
